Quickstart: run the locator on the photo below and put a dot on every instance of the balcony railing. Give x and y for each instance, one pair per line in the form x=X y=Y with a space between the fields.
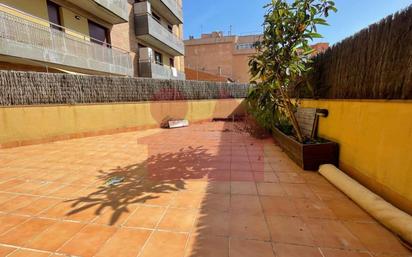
x=150 y=30
x=175 y=8
x=36 y=40
x=157 y=71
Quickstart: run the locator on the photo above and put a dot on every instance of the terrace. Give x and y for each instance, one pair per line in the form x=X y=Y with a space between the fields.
x=86 y=170
x=206 y=190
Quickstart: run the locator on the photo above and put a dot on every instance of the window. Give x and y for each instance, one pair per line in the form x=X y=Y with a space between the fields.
x=172 y=62
x=54 y=15
x=158 y=58
x=170 y=28
x=98 y=33
x=245 y=46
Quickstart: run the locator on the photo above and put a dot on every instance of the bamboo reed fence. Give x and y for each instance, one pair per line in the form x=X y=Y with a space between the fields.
x=375 y=63
x=34 y=88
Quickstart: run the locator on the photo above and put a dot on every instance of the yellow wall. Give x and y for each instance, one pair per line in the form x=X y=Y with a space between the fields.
x=22 y=124
x=69 y=21
x=24 y=6
x=38 y=8
x=34 y=7
x=375 y=140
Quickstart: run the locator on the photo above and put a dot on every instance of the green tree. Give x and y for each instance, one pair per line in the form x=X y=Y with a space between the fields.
x=284 y=55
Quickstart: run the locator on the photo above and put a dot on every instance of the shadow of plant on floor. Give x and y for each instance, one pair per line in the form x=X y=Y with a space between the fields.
x=160 y=174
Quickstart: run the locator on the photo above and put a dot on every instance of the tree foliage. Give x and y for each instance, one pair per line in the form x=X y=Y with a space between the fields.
x=283 y=54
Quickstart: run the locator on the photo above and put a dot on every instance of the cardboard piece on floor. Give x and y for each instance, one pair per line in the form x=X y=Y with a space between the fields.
x=178 y=123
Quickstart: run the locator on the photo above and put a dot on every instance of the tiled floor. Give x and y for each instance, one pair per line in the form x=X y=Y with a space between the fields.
x=206 y=190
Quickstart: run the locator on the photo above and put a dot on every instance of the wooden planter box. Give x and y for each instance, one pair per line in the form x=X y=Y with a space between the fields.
x=308 y=156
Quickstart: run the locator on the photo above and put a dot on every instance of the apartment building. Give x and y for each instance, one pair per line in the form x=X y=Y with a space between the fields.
x=226 y=56
x=63 y=36
x=154 y=36
x=103 y=37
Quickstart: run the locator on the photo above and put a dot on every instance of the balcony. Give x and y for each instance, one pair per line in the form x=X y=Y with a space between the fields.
x=158 y=71
x=111 y=11
x=26 y=40
x=148 y=68
x=171 y=10
x=152 y=32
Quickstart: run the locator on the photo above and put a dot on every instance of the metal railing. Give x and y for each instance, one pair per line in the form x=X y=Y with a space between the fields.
x=155 y=70
x=58 y=39
x=175 y=6
x=171 y=37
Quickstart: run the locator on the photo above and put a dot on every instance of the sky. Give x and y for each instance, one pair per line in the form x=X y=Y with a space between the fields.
x=243 y=17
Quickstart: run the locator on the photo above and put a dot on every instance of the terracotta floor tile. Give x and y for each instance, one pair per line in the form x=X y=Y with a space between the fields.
x=124 y=243
x=188 y=200
x=284 y=165
x=55 y=236
x=207 y=246
x=115 y=217
x=9 y=221
x=238 y=187
x=278 y=205
x=28 y=187
x=221 y=176
x=67 y=192
x=259 y=164
x=6 y=250
x=290 y=230
x=241 y=166
x=178 y=220
x=289 y=250
x=215 y=202
x=17 y=203
x=250 y=248
x=290 y=177
x=328 y=252
x=58 y=211
x=269 y=177
x=7 y=185
x=243 y=188
x=313 y=208
x=160 y=199
x=326 y=191
x=241 y=176
x=28 y=253
x=145 y=216
x=163 y=244
x=245 y=204
x=23 y=233
x=218 y=187
x=345 y=209
x=83 y=213
x=47 y=189
x=37 y=206
x=6 y=197
x=88 y=241
x=213 y=223
x=248 y=227
x=298 y=191
x=196 y=186
x=270 y=189
x=333 y=234
x=375 y=238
